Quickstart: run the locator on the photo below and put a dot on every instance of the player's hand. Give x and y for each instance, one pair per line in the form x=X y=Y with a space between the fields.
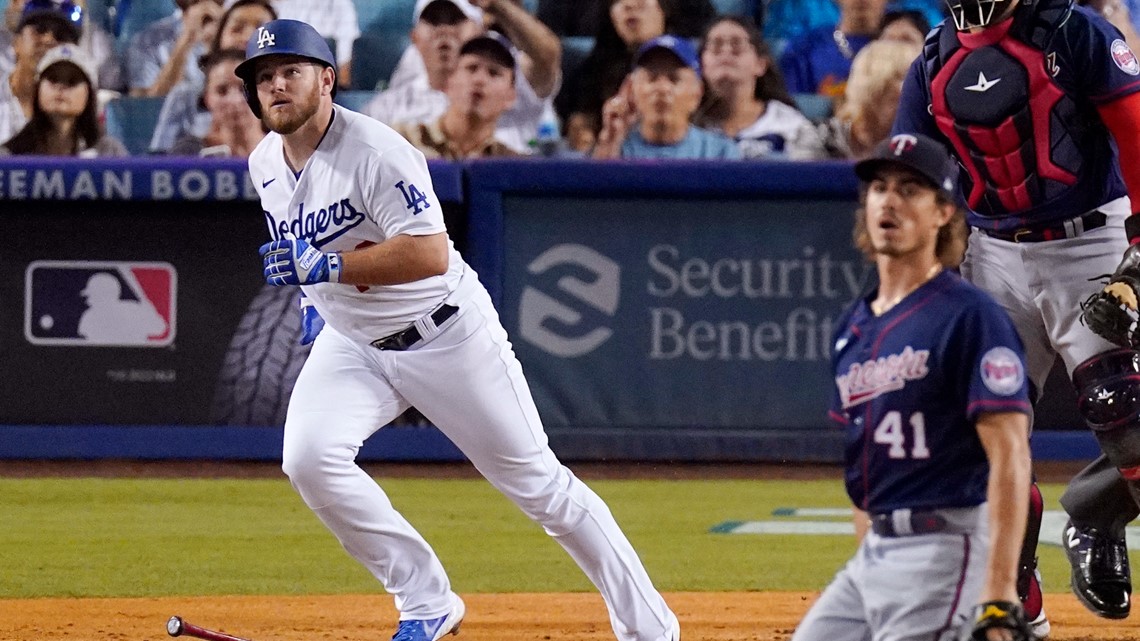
x=296 y=262
x=1000 y=621
x=311 y=321
x=1111 y=313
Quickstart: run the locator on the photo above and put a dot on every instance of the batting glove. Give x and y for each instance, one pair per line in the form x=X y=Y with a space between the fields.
x=296 y=262
x=311 y=321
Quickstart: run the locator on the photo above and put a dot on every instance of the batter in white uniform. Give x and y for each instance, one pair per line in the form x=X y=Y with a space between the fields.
x=356 y=223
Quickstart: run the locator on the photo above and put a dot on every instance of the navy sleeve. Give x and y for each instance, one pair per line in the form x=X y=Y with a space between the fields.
x=997 y=380
x=1102 y=63
x=913 y=115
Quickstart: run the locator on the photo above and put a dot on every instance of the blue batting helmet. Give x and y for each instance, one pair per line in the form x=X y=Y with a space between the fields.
x=282 y=38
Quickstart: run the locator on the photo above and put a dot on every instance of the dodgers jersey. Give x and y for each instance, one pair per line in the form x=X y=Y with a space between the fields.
x=1017 y=104
x=910 y=385
x=363 y=185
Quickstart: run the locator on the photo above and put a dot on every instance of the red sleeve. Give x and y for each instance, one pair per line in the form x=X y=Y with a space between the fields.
x=1122 y=116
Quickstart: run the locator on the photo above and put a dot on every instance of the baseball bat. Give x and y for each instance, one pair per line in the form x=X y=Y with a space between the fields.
x=177 y=627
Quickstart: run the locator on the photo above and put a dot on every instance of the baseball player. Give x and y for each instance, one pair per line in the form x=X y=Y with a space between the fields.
x=1030 y=95
x=355 y=222
x=932 y=394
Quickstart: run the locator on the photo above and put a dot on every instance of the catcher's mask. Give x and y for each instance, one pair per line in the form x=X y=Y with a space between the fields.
x=975 y=13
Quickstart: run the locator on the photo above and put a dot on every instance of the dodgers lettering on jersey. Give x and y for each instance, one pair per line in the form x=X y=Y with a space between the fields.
x=910 y=385
x=1027 y=161
x=363 y=185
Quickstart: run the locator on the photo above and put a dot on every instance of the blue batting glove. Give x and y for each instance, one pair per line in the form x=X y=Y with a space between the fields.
x=296 y=262
x=311 y=321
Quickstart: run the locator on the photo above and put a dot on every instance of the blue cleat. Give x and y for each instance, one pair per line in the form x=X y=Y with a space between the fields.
x=432 y=629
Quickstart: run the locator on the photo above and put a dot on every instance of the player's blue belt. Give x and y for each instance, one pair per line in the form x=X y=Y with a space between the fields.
x=404 y=339
x=1070 y=228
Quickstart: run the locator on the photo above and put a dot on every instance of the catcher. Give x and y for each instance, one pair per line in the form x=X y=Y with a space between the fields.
x=934 y=400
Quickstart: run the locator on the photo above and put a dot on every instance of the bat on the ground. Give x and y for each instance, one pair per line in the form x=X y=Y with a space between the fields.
x=177 y=627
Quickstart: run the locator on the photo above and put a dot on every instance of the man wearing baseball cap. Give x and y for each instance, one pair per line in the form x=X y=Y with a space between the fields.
x=43 y=25
x=651 y=115
x=449 y=23
x=478 y=92
x=932 y=394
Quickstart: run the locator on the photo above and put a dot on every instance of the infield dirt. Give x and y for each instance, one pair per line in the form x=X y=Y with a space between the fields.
x=705 y=616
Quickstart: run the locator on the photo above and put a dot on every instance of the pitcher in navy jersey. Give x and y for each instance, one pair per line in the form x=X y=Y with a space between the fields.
x=1030 y=95
x=931 y=391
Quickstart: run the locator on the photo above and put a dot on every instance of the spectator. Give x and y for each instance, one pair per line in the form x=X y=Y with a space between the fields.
x=787 y=20
x=819 y=61
x=64 y=119
x=334 y=19
x=167 y=52
x=42 y=26
x=479 y=92
x=95 y=42
x=650 y=116
x=745 y=98
x=234 y=130
x=904 y=26
x=628 y=25
x=871 y=99
x=537 y=77
x=182 y=112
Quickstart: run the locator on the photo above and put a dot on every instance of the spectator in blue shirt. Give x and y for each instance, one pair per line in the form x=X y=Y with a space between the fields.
x=818 y=62
x=650 y=117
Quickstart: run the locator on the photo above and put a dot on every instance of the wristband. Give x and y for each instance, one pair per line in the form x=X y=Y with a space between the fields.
x=1132 y=228
x=334 y=267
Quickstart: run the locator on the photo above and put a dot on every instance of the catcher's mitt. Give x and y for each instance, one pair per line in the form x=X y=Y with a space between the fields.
x=1112 y=312
x=1001 y=615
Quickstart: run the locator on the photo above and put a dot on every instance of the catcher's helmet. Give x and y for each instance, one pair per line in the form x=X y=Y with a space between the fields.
x=282 y=38
x=975 y=13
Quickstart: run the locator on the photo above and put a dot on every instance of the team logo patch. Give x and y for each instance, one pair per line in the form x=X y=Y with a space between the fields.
x=265 y=38
x=1002 y=372
x=96 y=303
x=1124 y=58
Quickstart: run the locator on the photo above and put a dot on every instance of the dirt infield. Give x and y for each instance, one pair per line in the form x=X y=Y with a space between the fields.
x=705 y=616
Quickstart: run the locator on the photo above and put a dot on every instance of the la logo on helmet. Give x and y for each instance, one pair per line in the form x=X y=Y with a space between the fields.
x=264 y=38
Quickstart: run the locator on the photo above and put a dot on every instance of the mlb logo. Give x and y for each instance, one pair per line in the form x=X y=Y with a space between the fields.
x=100 y=304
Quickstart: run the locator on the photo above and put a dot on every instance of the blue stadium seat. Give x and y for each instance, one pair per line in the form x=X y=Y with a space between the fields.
x=734 y=7
x=374 y=57
x=384 y=16
x=132 y=120
x=354 y=100
x=817 y=108
x=135 y=15
x=574 y=51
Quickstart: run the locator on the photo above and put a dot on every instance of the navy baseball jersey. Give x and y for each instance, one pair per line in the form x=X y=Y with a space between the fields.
x=1017 y=103
x=910 y=385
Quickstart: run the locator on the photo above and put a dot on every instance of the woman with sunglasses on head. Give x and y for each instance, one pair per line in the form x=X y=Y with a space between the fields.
x=64 y=108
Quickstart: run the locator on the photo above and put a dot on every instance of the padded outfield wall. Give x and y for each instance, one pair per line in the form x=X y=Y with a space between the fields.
x=677 y=311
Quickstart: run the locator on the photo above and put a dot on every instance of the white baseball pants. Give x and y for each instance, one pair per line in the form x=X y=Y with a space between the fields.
x=464 y=377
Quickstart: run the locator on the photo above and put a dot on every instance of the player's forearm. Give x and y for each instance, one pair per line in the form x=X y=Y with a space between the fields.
x=537 y=41
x=398 y=260
x=1005 y=438
x=1122 y=117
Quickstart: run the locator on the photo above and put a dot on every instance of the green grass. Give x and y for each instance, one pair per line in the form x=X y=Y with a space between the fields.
x=159 y=537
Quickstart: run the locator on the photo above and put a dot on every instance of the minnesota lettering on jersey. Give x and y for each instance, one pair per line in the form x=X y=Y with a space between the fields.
x=871 y=379
x=318 y=227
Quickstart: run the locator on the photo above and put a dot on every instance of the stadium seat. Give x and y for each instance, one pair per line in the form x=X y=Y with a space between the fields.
x=386 y=16
x=574 y=51
x=135 y=15
x=354 y=100
x=734 y=7
x=132 y=121
x=374 y=57
x=817 y=108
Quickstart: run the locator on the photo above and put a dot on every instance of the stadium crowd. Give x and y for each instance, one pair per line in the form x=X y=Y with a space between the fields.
x=776 y=79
